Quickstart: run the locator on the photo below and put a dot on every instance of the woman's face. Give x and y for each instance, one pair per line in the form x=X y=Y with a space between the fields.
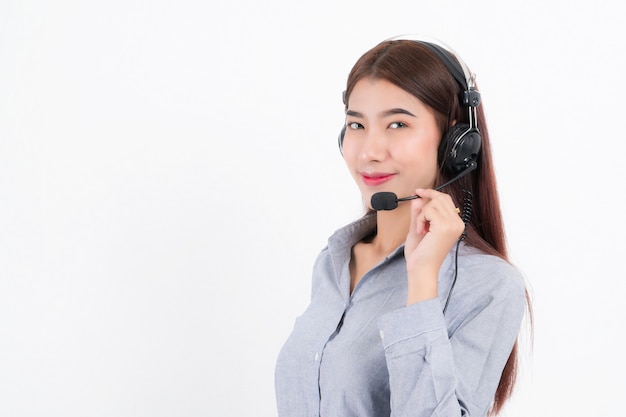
x=391 y=140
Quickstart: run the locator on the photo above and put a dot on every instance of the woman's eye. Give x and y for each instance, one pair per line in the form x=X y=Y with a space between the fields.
x=397 y=125
x=355 y=125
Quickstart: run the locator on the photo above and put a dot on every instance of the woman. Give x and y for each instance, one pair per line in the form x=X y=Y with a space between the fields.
x=414 y=309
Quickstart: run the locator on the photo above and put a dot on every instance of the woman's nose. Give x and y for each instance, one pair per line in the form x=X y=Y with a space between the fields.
x=374 y=146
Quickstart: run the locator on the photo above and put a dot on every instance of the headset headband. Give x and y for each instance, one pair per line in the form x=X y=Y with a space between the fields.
x=445 y=52
x=456 y=66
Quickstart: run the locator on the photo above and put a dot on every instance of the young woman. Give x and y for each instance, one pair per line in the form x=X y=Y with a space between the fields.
x=415 y=310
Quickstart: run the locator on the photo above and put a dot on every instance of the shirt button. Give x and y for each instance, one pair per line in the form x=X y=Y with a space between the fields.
x=317 y=356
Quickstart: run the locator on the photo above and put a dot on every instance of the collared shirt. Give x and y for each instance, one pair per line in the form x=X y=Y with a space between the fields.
x=367 y=354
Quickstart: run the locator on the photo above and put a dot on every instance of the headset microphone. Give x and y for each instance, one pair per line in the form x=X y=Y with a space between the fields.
x=386 y=200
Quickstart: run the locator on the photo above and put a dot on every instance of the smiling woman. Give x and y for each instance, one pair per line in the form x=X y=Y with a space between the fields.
x=384 y=333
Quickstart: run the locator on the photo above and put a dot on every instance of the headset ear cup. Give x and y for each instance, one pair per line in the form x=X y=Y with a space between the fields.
x=445 y=146
x=459 y=146
x=467 y=148
x=340 y=139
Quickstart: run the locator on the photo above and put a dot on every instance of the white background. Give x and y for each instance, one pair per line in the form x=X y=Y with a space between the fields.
x=169 y=171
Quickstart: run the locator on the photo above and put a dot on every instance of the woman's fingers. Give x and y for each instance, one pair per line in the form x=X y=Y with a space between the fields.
x=436 y=214
x=440 y=212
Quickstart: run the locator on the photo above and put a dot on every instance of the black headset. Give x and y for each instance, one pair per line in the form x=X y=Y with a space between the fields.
x=460 y=145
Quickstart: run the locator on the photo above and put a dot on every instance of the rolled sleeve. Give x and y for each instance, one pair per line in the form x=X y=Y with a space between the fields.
x=419 y=359
x=421 y=320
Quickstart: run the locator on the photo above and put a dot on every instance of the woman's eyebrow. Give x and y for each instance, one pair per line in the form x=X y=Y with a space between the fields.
x=354 y=113
x=385 y=113
x=391 y=112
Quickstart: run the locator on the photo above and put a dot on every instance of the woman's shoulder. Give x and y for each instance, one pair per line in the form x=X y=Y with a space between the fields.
x=486 y=286
x=486 y=273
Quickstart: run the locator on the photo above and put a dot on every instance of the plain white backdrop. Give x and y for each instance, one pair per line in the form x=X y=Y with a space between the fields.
x=169 y=172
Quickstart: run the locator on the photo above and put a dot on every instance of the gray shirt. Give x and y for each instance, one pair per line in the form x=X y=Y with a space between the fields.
x=368 y=354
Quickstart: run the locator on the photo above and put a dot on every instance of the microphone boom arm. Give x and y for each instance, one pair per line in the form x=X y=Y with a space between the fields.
x=470 y=167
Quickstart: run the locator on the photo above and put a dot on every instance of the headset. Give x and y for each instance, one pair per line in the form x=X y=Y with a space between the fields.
x=460 y=145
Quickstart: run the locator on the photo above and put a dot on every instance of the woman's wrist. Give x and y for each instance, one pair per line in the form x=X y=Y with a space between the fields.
x=422 y=285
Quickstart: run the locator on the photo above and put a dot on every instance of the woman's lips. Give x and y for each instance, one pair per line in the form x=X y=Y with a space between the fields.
x=374 y=179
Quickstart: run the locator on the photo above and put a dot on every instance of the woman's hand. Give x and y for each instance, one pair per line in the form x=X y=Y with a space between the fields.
x=435 y=227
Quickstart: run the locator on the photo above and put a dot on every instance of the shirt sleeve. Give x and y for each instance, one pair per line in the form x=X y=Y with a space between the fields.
x=451 y=366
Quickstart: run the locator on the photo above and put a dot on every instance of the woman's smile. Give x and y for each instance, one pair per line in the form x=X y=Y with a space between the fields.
x=373 y=179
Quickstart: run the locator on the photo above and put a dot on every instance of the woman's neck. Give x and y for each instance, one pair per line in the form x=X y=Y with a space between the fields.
x=392 y=227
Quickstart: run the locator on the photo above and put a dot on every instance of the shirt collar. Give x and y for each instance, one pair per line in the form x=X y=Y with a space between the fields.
x=341 y=242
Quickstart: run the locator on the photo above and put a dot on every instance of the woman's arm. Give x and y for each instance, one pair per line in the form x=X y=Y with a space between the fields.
x=439 y=369
x=435 y=227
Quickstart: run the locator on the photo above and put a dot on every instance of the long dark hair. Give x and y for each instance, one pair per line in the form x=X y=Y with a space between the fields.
x=413 y=67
